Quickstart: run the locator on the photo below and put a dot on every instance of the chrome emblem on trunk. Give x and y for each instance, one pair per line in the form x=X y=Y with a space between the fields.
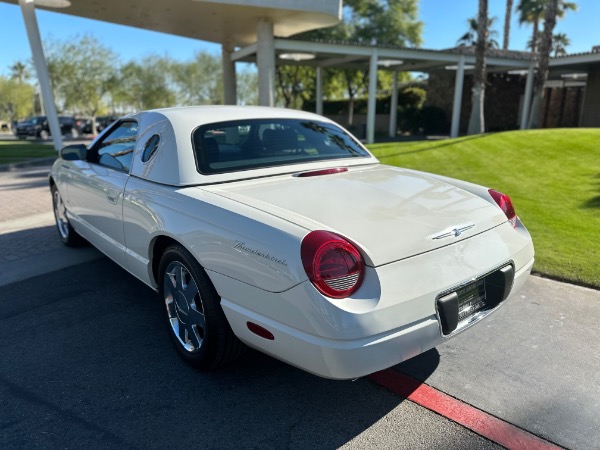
x=455 y=231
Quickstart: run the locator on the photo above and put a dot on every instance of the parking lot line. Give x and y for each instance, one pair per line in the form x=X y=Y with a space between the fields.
x=482 y=423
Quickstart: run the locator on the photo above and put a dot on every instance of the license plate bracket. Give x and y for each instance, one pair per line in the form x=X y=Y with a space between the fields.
x=471 y=299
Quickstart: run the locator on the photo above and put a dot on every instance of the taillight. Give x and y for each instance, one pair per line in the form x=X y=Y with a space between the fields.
x=505 y=205
x=333 y=265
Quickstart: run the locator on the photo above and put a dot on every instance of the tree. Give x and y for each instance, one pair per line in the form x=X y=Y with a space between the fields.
x=295 y=84
x=82 y=72
x=560 y=42
x=247 y=87
x=20 y=72
x=375 y=22
x=544 y=61
x=470 y=37
x=507 y=16
x=369 y=22
x=16 y=99
x=476 y=119
x=199 y=81
x=147 y=84
x=532 y=11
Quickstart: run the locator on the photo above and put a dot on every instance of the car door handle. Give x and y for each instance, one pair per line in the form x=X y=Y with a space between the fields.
x=112 y=196
x=64 y=166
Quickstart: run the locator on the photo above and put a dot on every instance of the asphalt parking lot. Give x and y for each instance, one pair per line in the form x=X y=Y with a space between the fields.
x=86 y=362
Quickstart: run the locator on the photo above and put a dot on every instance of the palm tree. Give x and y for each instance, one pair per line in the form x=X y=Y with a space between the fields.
x=469 y=39
x=560 y=42
x=507 y=15
x=532 y=11
x=20 y=72
x=476 y=119
x=551 y=12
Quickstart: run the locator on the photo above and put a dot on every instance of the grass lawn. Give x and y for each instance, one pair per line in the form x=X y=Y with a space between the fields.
x=552 y=177
x=19 y=151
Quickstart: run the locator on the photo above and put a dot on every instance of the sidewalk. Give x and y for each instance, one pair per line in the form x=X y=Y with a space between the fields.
x=28 y=238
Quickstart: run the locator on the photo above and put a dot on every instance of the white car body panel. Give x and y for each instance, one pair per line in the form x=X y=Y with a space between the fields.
x=245 y=229
x=95 y=198
x=396 y=203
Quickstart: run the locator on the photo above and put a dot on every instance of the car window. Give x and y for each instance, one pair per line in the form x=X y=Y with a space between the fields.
x=256 y=143
x=150 y=147
x=116 y=148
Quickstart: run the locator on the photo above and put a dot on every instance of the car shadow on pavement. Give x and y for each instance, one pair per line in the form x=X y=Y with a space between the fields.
x=27 y=180
x=87 y=361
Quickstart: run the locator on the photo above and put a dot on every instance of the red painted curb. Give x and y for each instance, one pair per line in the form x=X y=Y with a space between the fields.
x=474 y=419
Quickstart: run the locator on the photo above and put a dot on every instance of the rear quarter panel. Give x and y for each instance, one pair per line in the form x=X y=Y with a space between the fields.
x=225 y=237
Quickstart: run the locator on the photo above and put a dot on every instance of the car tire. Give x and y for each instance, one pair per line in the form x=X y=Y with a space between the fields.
x=196 y=322
x=66 y=233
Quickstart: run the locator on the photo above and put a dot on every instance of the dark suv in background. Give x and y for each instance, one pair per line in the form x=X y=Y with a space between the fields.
x=37 y=127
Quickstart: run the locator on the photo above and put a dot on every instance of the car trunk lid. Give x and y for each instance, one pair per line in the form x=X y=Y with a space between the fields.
x=391 y=213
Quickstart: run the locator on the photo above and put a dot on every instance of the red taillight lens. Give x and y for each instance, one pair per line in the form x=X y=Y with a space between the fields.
x=505 y=205
x=333 y=265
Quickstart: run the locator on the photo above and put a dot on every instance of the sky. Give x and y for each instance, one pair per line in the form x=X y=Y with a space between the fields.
x=444 y=22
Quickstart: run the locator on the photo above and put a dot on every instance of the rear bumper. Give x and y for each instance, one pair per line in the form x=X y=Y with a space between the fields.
x=346 y=359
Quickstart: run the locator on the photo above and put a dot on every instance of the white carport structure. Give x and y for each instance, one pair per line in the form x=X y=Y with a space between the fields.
x=343 y=55
x=232 y=23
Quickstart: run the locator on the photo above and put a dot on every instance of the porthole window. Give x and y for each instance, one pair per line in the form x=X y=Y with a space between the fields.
x=150 y=147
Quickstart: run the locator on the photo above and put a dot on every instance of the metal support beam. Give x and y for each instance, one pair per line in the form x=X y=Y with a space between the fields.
x=394 y=107
x=39 y=61
x=319 y=93
x=229 y=78
x=242 y=53
x=371 y=104
x=265 y=60
x=458 y=91
x=527 y=97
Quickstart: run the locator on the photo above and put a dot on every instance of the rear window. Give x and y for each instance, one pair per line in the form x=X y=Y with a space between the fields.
x=257 y=143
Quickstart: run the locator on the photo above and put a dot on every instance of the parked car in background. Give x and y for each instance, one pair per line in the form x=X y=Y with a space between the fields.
x=278 y=229
x=84 y=125
x=37 y=127
x=105 y=121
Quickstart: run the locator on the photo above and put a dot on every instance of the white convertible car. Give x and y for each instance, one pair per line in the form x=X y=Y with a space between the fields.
x=277 y=229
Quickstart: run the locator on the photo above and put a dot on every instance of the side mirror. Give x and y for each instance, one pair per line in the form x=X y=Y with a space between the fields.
x=76 y=152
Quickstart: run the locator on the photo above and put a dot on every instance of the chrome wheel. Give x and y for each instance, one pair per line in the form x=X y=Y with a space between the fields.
x=44 y=135
x=60 y=213
x=184 y=306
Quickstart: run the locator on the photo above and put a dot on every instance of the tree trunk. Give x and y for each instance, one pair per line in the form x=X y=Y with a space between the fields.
x=534 y=37
x=476 y=120
x=544 y=60
x=507 y=15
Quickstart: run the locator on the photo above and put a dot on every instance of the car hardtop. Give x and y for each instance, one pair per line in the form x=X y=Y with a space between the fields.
x=175 y=161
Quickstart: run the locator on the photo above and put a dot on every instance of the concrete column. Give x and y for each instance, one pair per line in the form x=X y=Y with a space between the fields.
x=394 y=106
x=372 y=100
x=319 y=93
x=265 y=60
x=229 y=78
x=458 y=91
x=527 y=97
x=39 y=61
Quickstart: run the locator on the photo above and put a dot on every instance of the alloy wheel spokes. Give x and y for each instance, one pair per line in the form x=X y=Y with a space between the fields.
x=60 y=212
x=184 y=307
